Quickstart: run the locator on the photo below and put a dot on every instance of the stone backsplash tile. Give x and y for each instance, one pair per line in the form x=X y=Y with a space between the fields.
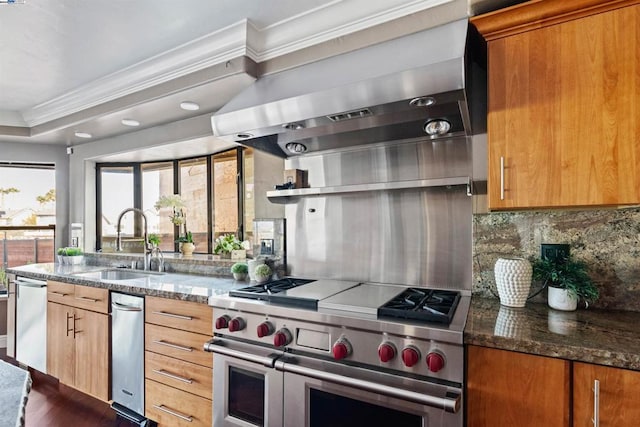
x=608 y=240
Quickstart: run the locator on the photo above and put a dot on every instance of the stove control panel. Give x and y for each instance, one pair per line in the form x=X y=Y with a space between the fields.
x=403 y=353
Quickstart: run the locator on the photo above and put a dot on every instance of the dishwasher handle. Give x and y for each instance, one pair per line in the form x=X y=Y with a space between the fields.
x=32 y=283
x=124 y=307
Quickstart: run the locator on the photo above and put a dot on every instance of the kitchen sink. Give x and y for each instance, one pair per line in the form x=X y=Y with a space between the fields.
x=116 y=274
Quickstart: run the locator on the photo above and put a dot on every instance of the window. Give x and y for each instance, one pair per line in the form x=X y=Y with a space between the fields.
x=208 y=185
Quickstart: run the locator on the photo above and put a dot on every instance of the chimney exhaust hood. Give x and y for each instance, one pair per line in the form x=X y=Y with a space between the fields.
x=414 y=86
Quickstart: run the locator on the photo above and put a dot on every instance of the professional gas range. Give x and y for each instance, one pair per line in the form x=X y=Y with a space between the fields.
x=392 y=353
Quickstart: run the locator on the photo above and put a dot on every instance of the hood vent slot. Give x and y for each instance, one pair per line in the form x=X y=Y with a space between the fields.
x=348 y=115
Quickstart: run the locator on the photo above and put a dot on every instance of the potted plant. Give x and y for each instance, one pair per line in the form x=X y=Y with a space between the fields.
x=187 y=246
x=567 y=279
x=228 y=246
x=70 y=255
x=154 y=239
x=4 y=282
x=262 y=273
x=239 y=270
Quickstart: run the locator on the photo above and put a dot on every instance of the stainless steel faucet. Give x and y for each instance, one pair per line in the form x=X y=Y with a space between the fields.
x=147 y=245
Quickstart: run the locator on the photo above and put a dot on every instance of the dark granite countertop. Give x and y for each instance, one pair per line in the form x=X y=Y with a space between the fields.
x=188 y=287
x=605 y=337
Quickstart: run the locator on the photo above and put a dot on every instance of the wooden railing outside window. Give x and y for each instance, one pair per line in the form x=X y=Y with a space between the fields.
x=22 y=245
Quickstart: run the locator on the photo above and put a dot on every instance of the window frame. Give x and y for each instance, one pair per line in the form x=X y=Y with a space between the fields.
x=210 y=191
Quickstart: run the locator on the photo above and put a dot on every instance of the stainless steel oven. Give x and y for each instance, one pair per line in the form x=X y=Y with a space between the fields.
x=253 y=386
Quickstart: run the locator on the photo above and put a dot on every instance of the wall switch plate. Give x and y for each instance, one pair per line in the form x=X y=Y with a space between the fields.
x=554 y=251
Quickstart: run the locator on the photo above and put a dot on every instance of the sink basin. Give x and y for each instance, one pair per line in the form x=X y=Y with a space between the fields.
x=115 y=274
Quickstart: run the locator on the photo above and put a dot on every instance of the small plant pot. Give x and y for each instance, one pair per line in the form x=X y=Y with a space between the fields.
x=240 y=277
x=72 y=260
x=187 y=248
x=561 y=299
x=262 y=279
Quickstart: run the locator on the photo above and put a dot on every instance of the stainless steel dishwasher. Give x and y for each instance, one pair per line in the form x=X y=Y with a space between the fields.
x=31 y=322
x=127 y=356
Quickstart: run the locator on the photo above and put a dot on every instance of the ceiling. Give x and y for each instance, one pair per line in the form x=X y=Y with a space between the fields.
x=70 y=66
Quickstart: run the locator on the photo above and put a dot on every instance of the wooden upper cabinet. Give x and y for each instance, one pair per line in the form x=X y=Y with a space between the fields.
x=563 y=115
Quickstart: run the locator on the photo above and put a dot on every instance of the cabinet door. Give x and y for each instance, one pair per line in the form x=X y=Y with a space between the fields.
x=60 y=344
x=506 y=388
x=618 y=403
x=92 y=353
x=563 y=114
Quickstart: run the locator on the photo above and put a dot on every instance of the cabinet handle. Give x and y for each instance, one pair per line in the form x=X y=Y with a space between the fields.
x=596 y=403
x=87 y=299
x=176 y=316
x=502 y=178
x=173 y=376
x=174 y=413
x=69 y=329
x=62 y=294
x=75 y=332
x=168 y=344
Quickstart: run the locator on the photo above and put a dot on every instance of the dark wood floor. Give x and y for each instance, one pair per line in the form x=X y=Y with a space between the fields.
x=52 y=404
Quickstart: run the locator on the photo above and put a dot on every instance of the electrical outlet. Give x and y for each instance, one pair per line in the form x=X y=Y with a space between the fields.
x=554 y=251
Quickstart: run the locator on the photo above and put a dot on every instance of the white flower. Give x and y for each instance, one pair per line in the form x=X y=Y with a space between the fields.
x=172 y=201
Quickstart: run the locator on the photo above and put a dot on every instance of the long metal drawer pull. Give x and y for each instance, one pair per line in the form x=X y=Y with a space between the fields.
x=176 y=316
x=450 y=405
x=596 y=403
x=87 y=299
x=174 y=413
x=68 y=329
x=215 y=346
x=62 y=294
x=173 y=376
x=125 y=307
x=501 y=178
x=176 y=346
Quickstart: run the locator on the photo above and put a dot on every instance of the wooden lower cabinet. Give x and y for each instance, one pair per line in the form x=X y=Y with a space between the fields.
x=78 y=349
x=172 y=407
x=506 y=388
x=618 y=402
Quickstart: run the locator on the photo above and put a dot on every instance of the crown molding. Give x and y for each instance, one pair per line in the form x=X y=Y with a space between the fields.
x=330 y=21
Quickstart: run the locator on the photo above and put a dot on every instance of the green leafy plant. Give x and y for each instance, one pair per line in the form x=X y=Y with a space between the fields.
x=566 y=273
x=263 y=270
x=240 y=268
x=4 y=280
x=154 y=239
x=70 y=251
x=187 y=238
x=227 y=243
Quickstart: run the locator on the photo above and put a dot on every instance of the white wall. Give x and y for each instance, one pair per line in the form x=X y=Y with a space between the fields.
x=43 y=153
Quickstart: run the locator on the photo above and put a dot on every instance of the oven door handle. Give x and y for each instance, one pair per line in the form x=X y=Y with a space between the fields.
x=218 y=347
x=449 y=404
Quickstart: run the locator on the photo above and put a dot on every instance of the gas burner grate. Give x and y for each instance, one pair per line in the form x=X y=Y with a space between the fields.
x=427 y=305
x=264 y=291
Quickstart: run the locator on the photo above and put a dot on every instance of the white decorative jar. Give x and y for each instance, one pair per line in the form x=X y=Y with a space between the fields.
x=513 y=280
x=561 y=299
x=252 y=264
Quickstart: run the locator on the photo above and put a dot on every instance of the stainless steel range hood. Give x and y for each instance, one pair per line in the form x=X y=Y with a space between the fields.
x=361 y=97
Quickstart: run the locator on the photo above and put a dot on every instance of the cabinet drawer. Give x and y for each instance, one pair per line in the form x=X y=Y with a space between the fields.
x=185 y=315
x=172 y=407
x=89 y=298
x=179 y=344
x=176 y=373
x=62 y=293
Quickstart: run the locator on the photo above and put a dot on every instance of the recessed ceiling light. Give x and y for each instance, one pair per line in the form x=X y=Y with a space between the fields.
x=296 y=147
x=83 y=135
x=422 y=101
x=293 y=126
x=189 y=106
x=130 y=122
x=437 y=127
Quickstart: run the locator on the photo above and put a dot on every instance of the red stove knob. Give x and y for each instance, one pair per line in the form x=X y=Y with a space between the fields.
x=222 y=322
x=282 y=337
x=236 y=324
x=341 y=349
x=410 y=356
x=264 y=329
x=386 y=352
x=435 y=361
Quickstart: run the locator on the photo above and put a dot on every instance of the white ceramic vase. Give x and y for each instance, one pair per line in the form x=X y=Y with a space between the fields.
x=187 y=248
x=513 y=280
x=561 y=299
x=253 y=263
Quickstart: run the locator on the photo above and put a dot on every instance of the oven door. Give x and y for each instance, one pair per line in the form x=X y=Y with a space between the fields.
x=346 y=396
x=247 y=390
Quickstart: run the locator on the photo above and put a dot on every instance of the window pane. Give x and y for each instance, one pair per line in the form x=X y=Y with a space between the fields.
x=225 y=193
x=193 y=191
x=249 y=204
x=157 y=180
x=116 y=196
